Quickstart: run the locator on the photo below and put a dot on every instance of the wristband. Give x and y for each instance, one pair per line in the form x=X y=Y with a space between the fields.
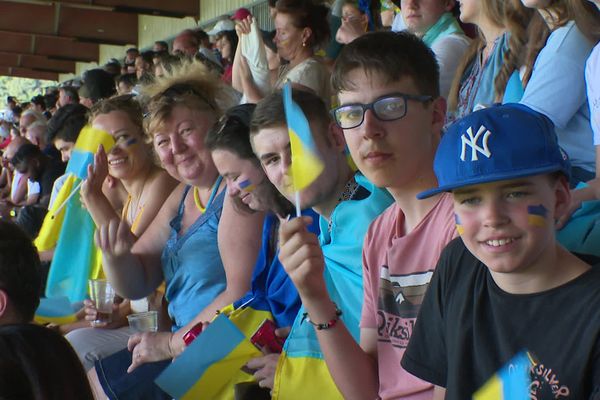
x=329 y=324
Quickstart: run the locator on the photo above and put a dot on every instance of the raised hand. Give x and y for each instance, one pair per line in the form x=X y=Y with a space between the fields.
x=302 y=258
x=243 y=27
x=114 y=239
x=96 y=174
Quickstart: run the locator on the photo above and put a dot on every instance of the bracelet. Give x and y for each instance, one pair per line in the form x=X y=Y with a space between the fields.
x=169 y=344
x=330 y=324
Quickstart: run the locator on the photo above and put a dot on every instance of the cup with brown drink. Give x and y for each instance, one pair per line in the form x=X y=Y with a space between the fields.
x=103 y=295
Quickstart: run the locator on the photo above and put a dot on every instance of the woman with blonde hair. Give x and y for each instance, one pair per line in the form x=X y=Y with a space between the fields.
x=199 y=244
x=557 y=86
x=147 y=186
x=489 y=71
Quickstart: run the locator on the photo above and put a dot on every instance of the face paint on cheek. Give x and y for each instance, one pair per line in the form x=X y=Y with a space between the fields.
x=131 y=142
x=247 y=185
x=537 y=215
x=459 y=227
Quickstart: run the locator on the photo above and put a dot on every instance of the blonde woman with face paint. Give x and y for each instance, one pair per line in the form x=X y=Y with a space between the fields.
x=147 y=186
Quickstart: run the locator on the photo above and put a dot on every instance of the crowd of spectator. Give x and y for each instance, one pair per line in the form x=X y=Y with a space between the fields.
x=456 y=140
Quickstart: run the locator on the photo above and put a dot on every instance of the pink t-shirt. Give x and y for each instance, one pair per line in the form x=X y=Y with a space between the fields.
x=397 y=271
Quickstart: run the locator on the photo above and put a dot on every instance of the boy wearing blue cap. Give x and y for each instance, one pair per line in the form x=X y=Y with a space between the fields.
x=506 y=285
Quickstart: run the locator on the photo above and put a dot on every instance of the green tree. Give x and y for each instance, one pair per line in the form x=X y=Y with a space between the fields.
x=21 y=88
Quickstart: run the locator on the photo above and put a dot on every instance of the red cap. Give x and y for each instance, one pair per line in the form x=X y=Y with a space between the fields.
x=240 y=14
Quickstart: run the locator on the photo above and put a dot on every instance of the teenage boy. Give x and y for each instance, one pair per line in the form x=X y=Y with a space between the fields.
x=392 y=116
x=346 y=203
x=506 y=285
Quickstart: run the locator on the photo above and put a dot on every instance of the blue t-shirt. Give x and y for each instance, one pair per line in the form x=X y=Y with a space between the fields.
x=192 y=264
x=272 y=289
x=341 y=240
x=557 y=90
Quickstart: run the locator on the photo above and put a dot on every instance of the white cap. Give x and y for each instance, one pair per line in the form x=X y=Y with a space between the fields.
x=222 y=25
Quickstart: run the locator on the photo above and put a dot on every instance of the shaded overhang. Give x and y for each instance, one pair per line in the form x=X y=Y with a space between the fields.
x=42 y=39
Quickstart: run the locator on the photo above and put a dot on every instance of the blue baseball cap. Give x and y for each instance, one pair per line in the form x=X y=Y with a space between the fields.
x=495 y=144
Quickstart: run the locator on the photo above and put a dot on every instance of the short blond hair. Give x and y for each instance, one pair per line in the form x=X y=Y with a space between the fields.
x=190 y=84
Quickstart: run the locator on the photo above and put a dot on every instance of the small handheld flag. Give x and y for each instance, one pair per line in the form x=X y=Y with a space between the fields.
x=511 y=382
x=71 y=232
x=214 y=362
x=306 y=162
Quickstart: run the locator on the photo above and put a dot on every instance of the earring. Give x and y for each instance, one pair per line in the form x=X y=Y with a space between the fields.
x=303 y=44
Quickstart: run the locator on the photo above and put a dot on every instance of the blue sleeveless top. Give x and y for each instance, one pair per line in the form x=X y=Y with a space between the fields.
x=191 y=263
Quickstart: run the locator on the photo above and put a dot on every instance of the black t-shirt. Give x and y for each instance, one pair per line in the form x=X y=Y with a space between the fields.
x=52 y=170
x=468 y=328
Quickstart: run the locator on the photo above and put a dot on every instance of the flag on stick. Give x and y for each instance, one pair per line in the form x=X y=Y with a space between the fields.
x=306 y=161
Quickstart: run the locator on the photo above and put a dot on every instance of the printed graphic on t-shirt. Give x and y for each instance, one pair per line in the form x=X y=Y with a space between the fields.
x=400 y=297
x=545 y=384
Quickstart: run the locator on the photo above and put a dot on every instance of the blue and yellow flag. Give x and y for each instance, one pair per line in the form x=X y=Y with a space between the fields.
x=306 y=162
x=57 y=310
x=511 y=382
x=211 y=366
x=71 y=231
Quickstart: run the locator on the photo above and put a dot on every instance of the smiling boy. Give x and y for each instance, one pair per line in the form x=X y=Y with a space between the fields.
x=506 y=284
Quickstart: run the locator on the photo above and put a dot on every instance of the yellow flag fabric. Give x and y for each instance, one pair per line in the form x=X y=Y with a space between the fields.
x=211 y=366
x=306 y=163
x=304 y=369
x=48 y=235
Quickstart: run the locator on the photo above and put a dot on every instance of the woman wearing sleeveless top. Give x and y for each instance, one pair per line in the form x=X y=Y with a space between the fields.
x=147 y=186
x=199 y=243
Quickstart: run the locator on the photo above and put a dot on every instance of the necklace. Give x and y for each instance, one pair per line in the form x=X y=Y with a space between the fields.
x=197 y=200
x=133 y=214
x=347 y=194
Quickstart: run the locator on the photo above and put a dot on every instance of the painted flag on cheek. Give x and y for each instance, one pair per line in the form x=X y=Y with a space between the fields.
x=459 y=227
x=69 y=228
x=537 y=215
x=306 y=161
x=511 y=382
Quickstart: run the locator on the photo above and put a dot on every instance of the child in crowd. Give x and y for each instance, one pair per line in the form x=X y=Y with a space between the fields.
x=392 y=115
x=506 y=285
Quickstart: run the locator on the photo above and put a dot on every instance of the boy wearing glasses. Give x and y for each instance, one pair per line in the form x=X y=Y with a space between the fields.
x=506 y=285
x=392 y=117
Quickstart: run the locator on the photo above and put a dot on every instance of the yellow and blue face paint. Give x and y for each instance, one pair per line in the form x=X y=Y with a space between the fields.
x=459 y=227
x=537 y=215
x=131 y=142
x=247 y=185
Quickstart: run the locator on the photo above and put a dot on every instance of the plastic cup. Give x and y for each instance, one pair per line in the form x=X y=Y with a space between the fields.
x=143 y=321
x=103 y=295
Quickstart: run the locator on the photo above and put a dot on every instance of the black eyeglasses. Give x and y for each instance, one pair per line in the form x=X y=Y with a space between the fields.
x=386 y=108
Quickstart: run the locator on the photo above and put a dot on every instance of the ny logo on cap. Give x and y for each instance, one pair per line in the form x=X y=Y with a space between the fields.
x=472 y=142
